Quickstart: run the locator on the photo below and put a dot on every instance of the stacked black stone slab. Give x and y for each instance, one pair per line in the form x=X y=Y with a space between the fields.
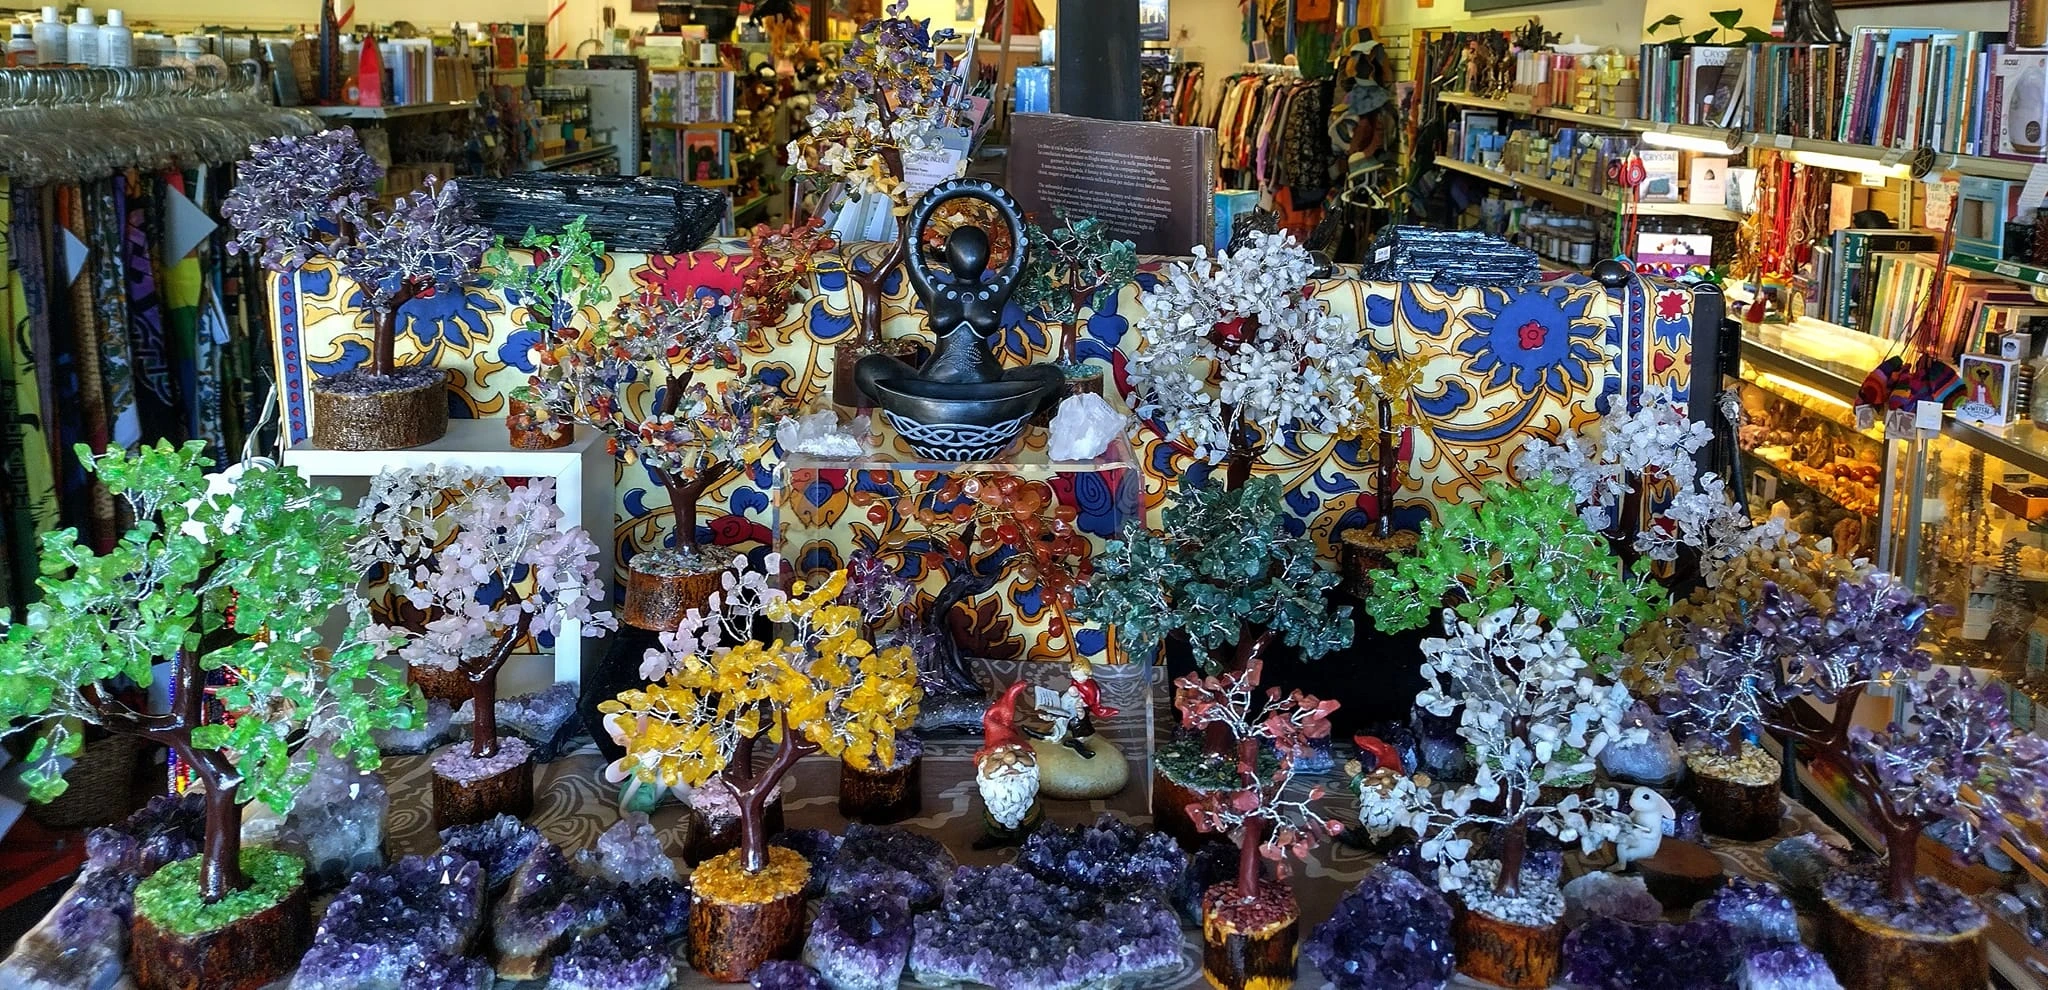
x=1448 y=257
x=656 y=216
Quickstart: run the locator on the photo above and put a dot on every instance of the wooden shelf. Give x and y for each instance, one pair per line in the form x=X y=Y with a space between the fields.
x=572 y=158
x=1476 y=171
x=709 y=125
x=389 y=113
x=1544 y=187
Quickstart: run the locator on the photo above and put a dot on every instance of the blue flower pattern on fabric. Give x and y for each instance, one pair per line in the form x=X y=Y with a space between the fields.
x=1535 y=340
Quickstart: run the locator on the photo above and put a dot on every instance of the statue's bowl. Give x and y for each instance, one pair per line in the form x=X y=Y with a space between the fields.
x=949 y=421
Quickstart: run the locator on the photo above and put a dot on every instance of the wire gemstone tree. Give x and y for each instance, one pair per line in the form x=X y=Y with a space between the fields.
x=1073 y=266
x=231 y=571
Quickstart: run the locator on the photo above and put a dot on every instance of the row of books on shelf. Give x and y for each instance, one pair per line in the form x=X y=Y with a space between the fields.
x=1886 y=282
x=1957 y=92
x=690 y=96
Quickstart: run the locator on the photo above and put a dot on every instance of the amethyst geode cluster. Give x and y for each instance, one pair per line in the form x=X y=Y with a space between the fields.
x=861 y=941
x=1391 y=932
x=873 y=857
x=498 y=845
x=1766 y=929
x=608 y=920
x=167 y=829
x=1009 y=929
x=408 y=926
x=1608 y=954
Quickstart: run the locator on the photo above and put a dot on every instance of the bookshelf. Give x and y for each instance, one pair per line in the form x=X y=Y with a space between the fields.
x=1975 y=165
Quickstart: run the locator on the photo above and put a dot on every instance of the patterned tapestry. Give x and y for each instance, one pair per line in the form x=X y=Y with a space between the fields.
x=1503 y=365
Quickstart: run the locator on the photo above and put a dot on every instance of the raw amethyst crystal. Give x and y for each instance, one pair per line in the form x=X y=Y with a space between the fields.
x=860 y=941
x=84 y=942
x=1109 y=857
x=629 y=852
x=547 y=903
x=872 y=857
x=1803 y=861
x=1759 y=913
x=784 y=974
x=1608 y=895
x=637 y=950
x=540 y=718
x=499 y=845
x=337 y=822
x=1010 y=930
x=1606 y=954
x=818 y=847
x=397 y=928
x=1785 y=967
x=422 y=737
x=1656 y=761
x=1391 y=932
x=1686 y=825
x=1939 y=910
x=165 y=830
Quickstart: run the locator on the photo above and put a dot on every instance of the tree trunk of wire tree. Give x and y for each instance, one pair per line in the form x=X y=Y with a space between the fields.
x=682 y=498
x=1513 y=848
x=384 y=343
x=1254 y=829
x=483 y=690
x=1383 y=500
x=1252 y=641
x=753 y=800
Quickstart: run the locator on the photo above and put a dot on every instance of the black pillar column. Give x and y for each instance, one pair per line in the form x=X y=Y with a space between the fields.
x=1097 y=59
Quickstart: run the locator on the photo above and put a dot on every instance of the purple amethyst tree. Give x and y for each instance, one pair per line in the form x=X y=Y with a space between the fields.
x=302 y=199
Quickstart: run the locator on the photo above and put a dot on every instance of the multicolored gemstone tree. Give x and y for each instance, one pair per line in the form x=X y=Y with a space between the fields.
x=825 y=689
x=230 y=571
x=1073 y=266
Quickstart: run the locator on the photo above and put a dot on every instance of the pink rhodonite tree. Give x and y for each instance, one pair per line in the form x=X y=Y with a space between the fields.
x=499 y=539
x=1275 y=819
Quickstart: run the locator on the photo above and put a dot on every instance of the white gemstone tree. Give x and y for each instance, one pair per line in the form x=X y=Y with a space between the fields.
x=1536 y=719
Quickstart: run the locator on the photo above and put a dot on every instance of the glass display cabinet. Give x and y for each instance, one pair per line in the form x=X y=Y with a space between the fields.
x=1959 y=512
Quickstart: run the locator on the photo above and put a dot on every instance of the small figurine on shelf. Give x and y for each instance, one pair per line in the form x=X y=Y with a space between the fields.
x=467 y=591
x=825 y=688
x=691 y=437
x=1250 y=926
x=1957 y=757
x=301 y=198
x=1536 y=719
x=891 y=95
x=234 y=571
x=1074 y=266
x=1226 y=574
x=565 y=280
x=1073 y=762
x=1006 y=773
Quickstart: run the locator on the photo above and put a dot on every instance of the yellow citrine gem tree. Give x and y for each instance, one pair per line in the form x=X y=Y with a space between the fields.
x=819 y=686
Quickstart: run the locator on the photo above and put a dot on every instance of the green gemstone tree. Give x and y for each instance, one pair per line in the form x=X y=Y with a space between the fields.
x=1518 y=546
x=231 y=572
x=1226 y=575
x=1073 y=266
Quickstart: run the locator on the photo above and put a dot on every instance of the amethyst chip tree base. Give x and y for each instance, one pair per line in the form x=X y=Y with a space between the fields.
x=1875 y=943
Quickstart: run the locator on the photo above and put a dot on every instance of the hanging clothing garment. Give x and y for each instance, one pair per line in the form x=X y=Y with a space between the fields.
x=1023 y=14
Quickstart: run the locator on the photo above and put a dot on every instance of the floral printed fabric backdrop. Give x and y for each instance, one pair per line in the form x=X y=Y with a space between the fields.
x=1503 y=365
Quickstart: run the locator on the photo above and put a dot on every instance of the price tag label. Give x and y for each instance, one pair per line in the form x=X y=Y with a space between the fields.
x=1927 y=415
x=1892 y=157
x=1663 y=127
x=1782 y=140
x=1898 y=425
x=1866 y=417
x=2036 y=188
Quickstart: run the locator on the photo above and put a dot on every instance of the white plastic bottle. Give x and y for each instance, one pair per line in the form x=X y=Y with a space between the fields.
x=117 y=43
x=21 y=47
x=50 y=39
x=82 y=45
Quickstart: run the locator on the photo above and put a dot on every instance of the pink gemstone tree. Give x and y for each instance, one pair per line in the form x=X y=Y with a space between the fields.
x=499 y=539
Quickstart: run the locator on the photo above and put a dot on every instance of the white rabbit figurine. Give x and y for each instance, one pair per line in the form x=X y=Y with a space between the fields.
x=1647 y=812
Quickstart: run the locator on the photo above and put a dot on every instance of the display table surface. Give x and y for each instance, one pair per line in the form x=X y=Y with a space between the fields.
x=573 y=804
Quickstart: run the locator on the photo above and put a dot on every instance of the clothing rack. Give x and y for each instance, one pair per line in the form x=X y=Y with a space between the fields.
x=123 y=318
x=1270 y=69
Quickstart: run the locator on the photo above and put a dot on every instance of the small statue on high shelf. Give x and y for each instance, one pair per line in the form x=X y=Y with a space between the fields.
x=1069 y=712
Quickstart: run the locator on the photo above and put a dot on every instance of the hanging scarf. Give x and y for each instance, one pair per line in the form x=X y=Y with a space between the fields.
x=149 y=347
x=107 y=212
x=85 y=363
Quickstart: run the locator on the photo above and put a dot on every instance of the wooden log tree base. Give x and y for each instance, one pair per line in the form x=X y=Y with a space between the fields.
x=393 y=419
x=1681 y=874
x=1170 y=800
x=1735 y=810
x=245 y=954
x=1262 y=958
x=881 y=797
x=657 y=600
x=508 y=793
x=1506 y=954
x=1867 y=954
x=451 y=686
x=528 y=433
x=729 y=939
x=1362 y=552
x=705 y=841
